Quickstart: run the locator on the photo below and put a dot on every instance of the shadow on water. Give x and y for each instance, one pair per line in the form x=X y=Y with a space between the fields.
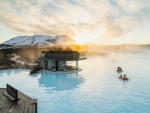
x=60 y=82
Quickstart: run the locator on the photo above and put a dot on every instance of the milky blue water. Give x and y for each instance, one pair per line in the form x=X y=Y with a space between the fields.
x=96 y=89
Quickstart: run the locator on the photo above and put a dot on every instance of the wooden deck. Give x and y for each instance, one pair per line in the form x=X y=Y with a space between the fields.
x=24 y=105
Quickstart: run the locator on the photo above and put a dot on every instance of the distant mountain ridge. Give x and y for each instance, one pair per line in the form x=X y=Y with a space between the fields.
x=39 y=40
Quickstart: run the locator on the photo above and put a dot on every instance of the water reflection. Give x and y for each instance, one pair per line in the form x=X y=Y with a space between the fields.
x=5 y=72
x=119 y=72
x=12 y=71
x=59 y=82
x=2 y=72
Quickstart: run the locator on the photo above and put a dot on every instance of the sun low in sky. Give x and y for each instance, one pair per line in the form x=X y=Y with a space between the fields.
x=94 y=21
x=80 y=40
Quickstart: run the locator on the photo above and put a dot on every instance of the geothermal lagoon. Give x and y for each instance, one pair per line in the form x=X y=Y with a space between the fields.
x=96 y=89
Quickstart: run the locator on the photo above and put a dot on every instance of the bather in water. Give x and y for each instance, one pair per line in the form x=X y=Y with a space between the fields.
x=120 y=77
x=125 y=77
x=119 y=69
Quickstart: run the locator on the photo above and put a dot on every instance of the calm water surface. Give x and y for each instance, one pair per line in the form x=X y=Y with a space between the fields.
x=96 y=89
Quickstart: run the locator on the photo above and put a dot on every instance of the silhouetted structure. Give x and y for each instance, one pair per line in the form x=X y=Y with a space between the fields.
x=60 y=60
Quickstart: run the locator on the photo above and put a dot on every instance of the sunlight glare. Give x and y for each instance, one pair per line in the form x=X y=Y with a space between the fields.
x=80 y=39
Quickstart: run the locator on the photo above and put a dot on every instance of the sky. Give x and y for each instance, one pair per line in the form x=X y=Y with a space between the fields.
x=87 y=21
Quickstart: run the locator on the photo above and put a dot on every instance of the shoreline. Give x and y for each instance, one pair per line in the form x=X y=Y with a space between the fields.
x=19 y=61
x=13 y=63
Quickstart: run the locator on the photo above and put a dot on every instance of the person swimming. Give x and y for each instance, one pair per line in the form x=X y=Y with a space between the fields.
x=120 y=76
x=125 y=77
x=119 y=69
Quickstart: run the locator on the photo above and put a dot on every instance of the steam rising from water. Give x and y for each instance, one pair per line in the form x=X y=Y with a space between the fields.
x=32 y=54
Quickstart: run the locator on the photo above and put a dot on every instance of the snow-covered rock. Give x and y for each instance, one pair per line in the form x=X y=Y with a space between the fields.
x=39 y=40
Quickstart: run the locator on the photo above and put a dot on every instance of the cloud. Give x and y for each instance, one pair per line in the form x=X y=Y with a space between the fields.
x=89 y=18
